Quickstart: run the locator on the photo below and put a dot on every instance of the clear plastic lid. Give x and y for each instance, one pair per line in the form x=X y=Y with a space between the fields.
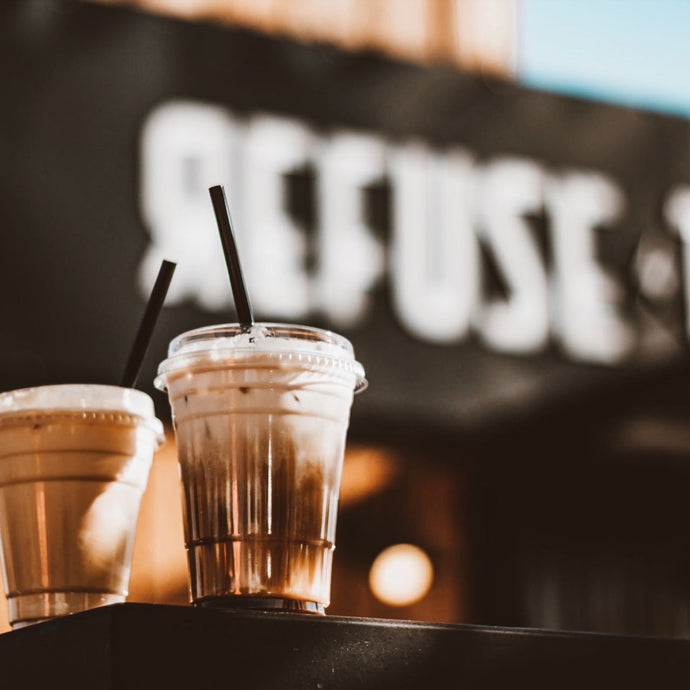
x=82 y=396
x=283 y=344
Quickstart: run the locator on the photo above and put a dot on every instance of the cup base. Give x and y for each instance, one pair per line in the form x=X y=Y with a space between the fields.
x=28 y=609
x=237 y=601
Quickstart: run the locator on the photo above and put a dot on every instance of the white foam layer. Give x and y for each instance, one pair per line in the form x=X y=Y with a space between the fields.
x=266 y=391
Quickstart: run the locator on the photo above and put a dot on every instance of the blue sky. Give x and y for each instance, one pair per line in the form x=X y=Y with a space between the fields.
x=632 y=52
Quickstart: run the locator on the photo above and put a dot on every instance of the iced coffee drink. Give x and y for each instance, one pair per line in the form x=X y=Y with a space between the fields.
x=260 y=420
x=74 y=462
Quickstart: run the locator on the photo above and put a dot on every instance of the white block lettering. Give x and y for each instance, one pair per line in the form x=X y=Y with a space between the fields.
x=350 y=258
x=275 y=249
x=677 y=212
x=510 y=188
x=434 y=259
x=186 y=147
x=587 y=316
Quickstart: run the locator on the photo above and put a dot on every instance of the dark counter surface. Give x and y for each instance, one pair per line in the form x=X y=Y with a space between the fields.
x=154 y=646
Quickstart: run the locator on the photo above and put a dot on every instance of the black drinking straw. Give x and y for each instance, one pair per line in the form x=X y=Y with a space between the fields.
x=148 y=321
x=232 y=260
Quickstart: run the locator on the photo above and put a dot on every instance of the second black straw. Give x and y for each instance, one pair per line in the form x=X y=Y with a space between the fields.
x=146 y=326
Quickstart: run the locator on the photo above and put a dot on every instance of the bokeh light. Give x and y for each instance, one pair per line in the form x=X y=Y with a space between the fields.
x=401 y=575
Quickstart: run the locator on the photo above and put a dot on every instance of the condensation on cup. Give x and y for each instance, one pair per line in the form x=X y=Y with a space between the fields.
x=74 y=463
x=260 y=421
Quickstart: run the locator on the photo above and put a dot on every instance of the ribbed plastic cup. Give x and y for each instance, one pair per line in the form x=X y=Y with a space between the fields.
x=74 y=463
x=260 y=420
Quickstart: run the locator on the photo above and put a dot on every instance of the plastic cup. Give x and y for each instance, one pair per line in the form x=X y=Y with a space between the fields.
x=260 y=420
x=74 y=463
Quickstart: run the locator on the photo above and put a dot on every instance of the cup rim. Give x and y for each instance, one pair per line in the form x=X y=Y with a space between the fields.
x=86 y=397
x=310 y=346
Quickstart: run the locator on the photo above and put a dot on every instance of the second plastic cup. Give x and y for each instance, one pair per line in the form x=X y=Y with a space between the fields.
x=74 y=463
x=260 y=421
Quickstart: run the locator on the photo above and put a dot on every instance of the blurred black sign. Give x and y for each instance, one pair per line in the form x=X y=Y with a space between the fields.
x=489 y=250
